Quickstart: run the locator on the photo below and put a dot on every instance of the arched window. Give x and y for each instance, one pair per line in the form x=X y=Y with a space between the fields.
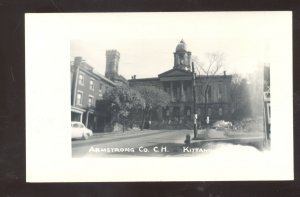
x=188 y=112
x=209 y=111
x=208 y=94
x=220 y=111
x=199 y=111
x=167 y=111
x=220 y=92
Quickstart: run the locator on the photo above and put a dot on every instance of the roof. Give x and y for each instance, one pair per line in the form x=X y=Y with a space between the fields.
x=181 y=47
x=96 y=74
x=213 y=76
x=145 y=79
x=175 y=72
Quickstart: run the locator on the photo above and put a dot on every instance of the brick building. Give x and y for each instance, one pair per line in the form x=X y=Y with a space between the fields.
x=178 y=83
x=88 y=86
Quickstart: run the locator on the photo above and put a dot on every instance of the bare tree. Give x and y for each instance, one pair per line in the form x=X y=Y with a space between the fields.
x=214 y=63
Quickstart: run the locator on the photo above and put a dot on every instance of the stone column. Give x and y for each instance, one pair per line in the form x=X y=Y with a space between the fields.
x=182 y=92
x=182 y=115
x=171 y=116
x=171 y=89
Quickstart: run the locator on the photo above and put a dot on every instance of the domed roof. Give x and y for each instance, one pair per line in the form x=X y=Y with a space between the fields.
x=181 y=46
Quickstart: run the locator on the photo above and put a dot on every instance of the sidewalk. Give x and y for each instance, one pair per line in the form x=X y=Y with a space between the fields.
x=215 y=134
x=109 y=137
x=211 y=134
x=127 y=133
x=219 y=134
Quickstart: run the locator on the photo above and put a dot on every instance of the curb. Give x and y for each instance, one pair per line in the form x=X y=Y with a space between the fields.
x=125 y=134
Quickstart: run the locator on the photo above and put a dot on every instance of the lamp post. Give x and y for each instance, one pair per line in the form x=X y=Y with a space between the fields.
x=194 y=100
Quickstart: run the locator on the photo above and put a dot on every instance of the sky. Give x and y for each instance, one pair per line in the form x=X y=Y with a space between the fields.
x=147 y=41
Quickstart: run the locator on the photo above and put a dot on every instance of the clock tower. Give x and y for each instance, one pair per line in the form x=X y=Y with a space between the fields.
x=182 y=57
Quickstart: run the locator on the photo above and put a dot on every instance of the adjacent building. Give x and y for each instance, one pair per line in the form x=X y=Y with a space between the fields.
x=88 y=86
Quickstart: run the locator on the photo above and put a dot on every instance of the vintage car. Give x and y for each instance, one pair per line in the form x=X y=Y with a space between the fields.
x=221 y=124
x=79 y=131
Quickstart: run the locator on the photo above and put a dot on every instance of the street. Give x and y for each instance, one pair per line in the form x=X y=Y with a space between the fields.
x=155 y=143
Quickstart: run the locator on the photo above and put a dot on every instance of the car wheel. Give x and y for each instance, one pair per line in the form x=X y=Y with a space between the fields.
x=85 y=136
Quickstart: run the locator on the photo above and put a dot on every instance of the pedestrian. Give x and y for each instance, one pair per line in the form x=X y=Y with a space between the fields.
x=207 y=121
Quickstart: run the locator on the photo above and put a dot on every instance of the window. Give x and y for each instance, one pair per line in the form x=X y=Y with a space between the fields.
x=208 y=94
x=81 y=79
x=90 y=101
x=209 y=111
x=91 y=84
x=188 y=112
x=189 y=92
x=168 y=90
x=100 y=89
x=167 y=112
x=199 y=111
x=220 y=92
x=201 y=89
x=220 y=111
x=79 y=98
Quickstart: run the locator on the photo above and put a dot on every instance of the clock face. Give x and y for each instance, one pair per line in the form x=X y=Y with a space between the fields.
x=181 y=61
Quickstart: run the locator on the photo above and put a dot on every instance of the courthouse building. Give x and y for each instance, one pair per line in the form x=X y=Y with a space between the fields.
x=88 y=86
x=178 y=83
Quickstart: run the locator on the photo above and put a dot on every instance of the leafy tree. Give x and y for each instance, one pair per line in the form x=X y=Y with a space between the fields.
x=155 y=98
x=121 y=101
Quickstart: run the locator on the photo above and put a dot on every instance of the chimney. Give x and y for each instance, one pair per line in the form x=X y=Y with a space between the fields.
x=224 y=72
x=77 y=61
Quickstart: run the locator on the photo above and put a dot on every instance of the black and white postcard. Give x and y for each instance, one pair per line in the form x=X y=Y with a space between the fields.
x=194 y=96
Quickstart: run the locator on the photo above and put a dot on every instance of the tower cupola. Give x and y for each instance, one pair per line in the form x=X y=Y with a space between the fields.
x=182 y=57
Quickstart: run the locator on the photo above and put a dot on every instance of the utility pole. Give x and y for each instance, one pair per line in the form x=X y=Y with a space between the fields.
x=194 y=100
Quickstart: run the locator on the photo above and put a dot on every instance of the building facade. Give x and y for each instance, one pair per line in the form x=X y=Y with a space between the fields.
x=178 y=83
x=88 y=87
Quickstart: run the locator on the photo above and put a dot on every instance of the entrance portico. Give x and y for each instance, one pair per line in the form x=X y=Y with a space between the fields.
x=178 y=83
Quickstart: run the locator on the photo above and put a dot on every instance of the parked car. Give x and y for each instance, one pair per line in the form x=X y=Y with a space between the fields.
x=79 y=131
x=221 y=124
